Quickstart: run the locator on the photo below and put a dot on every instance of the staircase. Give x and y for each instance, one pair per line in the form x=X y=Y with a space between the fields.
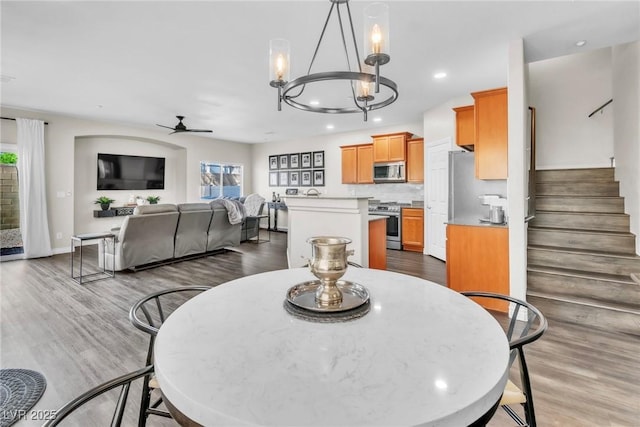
x=581 y=253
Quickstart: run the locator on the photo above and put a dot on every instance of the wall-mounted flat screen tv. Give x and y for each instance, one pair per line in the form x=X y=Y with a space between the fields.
x=121 y=172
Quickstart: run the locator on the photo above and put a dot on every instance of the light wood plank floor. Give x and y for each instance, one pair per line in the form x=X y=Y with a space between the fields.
x=80 y=336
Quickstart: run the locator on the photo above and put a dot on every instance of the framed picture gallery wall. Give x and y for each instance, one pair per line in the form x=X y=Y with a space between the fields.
x=297 y=169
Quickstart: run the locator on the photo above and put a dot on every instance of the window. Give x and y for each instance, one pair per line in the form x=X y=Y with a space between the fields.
x=220 y=180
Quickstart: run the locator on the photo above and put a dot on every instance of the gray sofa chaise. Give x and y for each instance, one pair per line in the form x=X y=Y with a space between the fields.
x=163 y=232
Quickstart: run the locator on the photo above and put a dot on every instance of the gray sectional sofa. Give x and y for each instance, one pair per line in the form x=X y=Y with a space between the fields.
x=165 y=232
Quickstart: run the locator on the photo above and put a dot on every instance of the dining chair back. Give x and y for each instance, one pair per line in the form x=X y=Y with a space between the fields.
x=124 y=382
x=147 y=315
x=523 y=324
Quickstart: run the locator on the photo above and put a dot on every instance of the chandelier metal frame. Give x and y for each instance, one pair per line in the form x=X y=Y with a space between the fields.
x=363 y=103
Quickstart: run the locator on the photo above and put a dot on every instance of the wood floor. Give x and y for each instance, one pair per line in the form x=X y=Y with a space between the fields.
x=80 y=336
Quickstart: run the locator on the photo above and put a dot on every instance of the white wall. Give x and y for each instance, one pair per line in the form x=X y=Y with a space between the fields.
x=330 y=143
x=626 y=128
x=440 y=122
x=85 y=177
x=518 y=170
x=60 y=145
x=565 y=91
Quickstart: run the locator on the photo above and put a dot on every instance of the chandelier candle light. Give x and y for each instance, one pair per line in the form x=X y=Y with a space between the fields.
x=376 y=48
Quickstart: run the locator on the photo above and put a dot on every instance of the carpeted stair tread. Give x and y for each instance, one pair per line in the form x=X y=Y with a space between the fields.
x=582 y=274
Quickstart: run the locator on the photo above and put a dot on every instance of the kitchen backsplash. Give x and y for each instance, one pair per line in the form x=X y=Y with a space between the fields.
x=402 y=193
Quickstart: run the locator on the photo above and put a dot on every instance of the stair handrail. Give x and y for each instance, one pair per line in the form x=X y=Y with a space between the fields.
x=531 y=199
x=601 y=107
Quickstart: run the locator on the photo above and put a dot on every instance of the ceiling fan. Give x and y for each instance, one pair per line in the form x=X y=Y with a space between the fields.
x=180 y=127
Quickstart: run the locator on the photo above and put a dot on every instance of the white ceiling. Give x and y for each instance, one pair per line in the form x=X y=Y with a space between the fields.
x=146 y=62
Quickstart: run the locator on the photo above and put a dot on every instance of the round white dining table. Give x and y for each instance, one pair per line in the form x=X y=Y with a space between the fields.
x=423 y=355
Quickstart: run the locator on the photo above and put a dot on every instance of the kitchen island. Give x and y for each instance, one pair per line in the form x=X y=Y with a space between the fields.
x=327 y=216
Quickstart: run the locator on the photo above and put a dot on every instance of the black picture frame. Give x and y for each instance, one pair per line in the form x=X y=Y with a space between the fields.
x=318 y=159
x=305 y=160
x=294 y=161
x=283 y=162
x=306 y=177
x=273 y=179
x=273 y=162
x=318 y=177
x=294 y=178
x=283 y=178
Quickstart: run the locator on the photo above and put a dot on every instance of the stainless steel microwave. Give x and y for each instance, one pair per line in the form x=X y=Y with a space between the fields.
x=389 y=172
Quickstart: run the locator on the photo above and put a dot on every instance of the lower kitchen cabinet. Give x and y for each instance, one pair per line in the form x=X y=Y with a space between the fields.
x=378 y=243
x=478 y=260
x=413 y=229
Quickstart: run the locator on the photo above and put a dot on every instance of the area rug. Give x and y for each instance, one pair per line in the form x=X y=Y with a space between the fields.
x=20 y=389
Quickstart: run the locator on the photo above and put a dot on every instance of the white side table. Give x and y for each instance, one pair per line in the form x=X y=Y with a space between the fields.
x=81 y=238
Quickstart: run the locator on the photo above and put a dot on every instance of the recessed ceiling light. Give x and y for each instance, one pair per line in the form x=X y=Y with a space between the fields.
x=314 y=102
x=440 y=75
x=330 y=126
x=377 y=119
x=581 y=43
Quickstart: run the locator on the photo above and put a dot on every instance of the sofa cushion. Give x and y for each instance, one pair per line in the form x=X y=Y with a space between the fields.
x=185 y=207
x=192 y=230
x=155 y=209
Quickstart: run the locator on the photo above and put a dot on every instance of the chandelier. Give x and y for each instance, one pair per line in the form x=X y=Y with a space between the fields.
x=364 y=84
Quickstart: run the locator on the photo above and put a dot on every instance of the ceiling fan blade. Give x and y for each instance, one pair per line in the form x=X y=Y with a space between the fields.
x=163 y=126
x=199 y=130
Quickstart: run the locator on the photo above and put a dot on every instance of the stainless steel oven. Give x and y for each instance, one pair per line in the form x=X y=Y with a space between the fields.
x=394 y=223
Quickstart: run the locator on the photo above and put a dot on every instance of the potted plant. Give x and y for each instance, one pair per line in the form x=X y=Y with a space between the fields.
x=153 y=199
x=104 y=202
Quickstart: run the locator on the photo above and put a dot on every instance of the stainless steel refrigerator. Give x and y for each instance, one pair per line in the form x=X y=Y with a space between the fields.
x=465 y=191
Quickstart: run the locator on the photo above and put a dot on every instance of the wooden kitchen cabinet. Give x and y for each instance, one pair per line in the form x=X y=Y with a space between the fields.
x=415 y=160
x=478 y=260
x=390 y=147
x=378 y=243
x=465 y=126
x=491 y=133
x=413 y=229
x=357 y=164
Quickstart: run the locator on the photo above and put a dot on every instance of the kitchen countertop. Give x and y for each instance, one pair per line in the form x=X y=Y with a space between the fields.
x=475 y=222
x=376 y=217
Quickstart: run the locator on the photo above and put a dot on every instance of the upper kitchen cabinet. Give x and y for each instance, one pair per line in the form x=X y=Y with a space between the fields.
x=390 y=147
x=415 y=160
x=491 y=133
x=357 y=164
x=465 y=127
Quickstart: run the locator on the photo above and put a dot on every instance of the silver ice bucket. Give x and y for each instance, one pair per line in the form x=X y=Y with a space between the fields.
x=329 y=263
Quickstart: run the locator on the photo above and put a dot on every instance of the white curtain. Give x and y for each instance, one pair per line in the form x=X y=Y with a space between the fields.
x=34 y=225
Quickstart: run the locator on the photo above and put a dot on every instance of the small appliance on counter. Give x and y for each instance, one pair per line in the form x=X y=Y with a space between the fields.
x=496 y=208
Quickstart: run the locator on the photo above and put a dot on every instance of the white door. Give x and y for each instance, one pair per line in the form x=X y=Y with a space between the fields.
x=437 y=197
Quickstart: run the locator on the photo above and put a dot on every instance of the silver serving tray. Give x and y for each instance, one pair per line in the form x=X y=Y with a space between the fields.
x=303 y=295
